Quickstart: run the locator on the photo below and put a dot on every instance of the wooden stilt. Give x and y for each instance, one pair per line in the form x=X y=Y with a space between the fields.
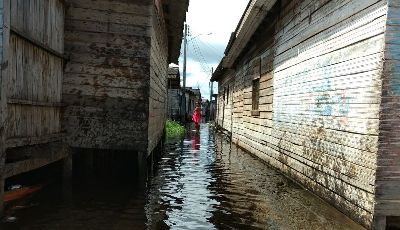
x=142 y=167
x=380 y=223
x=89 y=162
x=1 y=195
x=67 y=167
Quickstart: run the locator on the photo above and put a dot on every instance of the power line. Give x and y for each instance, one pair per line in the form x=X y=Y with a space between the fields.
x=200 y=54
x=212 y=48
x=199 y=58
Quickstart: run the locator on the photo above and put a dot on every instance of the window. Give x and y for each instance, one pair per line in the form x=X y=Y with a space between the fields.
x=256 y=94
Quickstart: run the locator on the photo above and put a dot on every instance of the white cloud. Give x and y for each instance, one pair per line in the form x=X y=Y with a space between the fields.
x=218 y=17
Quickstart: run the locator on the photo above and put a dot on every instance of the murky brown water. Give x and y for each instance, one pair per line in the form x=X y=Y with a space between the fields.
x=205 y=183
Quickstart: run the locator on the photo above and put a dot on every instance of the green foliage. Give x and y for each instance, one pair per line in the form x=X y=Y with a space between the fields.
x=174 y=129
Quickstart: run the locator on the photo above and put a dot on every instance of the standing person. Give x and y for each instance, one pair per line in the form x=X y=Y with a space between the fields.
x=196 y=118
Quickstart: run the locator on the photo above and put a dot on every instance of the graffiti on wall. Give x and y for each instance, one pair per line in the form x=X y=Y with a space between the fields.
x=296 y=98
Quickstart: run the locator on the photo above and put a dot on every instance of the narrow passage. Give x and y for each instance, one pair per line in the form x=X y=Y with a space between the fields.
x=202 y=182
x=209 y=183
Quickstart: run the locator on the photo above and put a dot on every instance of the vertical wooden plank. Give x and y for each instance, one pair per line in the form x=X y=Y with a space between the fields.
x=3 y=115
x=35 y=74
x=379 y=223
x=5 y=26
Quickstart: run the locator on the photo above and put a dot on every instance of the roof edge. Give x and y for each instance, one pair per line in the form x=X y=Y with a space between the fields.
x=254 y=14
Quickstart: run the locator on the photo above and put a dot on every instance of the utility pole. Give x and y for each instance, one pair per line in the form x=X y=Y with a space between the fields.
x=211 y=95
x=212 y=84
x=184 y=75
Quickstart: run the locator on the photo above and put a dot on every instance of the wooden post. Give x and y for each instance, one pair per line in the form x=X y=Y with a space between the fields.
x=89 y=161
x=142 y=168
x=67 y=178
x=2 y=144
x=5 y=35
x=150 y=160
x=67 y=168
x=379 y=223
x=1 y=196
x=184 y=76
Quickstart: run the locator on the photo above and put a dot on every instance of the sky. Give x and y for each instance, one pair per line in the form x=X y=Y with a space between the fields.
x=211 y=23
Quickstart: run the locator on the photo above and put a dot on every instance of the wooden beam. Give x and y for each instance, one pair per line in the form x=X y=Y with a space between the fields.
x=25 y=141
x=5 y=36
x=37 y=43
x=380 y=223
x=39 y=156
x=35 y=103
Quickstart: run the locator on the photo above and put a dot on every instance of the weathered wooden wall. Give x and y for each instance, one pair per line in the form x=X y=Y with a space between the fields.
x=388 y=162
x=35 y=72
x=106 y=80
x=4 y=35
x=174 y=97
x=174 y=93
x=225 y=102
x=32 y=49
x=158 y=78
x=320 y=94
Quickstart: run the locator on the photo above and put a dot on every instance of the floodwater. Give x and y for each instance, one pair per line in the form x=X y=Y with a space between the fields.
x=203 y=182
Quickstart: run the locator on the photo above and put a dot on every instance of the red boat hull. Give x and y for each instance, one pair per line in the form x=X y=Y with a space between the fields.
x=21 y=193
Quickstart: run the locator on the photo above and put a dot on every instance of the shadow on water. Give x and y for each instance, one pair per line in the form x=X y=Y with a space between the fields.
x=107 y=194
x=200 y=182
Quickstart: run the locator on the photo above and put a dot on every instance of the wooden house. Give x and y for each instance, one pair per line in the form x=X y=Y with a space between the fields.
x=174 y=93
x=32 y=59
x=86 y=74
x=312 y=88
x=192 y=96
x=115 y=80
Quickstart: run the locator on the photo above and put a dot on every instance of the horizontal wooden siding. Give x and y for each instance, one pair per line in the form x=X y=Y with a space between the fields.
x=319 y=98
x=106 y=78
x=158 y=79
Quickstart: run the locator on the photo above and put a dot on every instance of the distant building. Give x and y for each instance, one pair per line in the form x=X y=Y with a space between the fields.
x=192 y=97
x=115 y=83
x=174 y=94
x=312 y=88
x=205 y=108
x=213 y=107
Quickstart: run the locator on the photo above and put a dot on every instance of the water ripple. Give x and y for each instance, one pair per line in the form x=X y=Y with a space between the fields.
x=208 y=183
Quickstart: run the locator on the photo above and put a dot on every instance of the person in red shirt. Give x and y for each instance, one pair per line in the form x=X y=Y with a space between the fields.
x=196 y=118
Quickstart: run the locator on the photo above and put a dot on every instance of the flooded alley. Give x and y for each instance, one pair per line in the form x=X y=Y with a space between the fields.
x=202 y=182
x=307 y=90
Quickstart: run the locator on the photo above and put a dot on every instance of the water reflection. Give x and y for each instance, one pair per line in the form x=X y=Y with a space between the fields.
x=204 y=183
x=181 y=188
x=196 y=141
x=215 y=185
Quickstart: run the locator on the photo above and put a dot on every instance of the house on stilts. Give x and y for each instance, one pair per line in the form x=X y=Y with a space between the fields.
x=312 y=87
x=83 y=76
